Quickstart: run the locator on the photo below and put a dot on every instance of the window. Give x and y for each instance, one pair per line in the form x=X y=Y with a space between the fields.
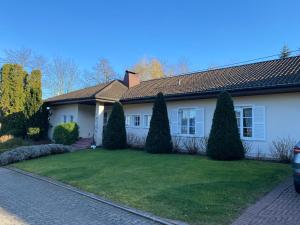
x=65 y=118
x=127 y=121
x=71 y=118
x=187 y=121
x=244 y=118
x=147 y=119
x=136 y=120
x=132 y=121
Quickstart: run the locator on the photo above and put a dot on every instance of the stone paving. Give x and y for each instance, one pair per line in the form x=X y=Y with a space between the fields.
x=280 y=207
x=26 y=200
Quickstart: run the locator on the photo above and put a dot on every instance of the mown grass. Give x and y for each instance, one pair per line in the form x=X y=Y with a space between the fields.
x=194 y=189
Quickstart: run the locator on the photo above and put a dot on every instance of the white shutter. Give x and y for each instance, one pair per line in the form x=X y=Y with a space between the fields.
x=173 y=120
x=259 y=126
x=199 y=129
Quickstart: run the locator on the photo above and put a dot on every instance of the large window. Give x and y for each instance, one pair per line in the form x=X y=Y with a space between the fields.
x=147 y=119
x=187 y=121
x=136 y=120
x=133 y=121
x=244 y=116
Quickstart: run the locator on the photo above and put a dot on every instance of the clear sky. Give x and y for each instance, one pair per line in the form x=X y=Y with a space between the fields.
x=204 y=33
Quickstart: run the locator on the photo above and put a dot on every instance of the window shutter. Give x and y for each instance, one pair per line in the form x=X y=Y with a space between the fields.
x=259 y=125
x=173 y=120
x=199 y=122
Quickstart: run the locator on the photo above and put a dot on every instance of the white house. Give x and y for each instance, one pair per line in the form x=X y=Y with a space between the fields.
x=266 y=97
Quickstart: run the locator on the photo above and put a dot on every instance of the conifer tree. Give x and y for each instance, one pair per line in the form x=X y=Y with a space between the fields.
x=159 y=137
x=33 y=101
x=114 y=135
x=224 y=141
x=12 y=99
x=285 y=52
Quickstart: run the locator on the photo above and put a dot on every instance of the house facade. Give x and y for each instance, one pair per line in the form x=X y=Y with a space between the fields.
x=266 y=98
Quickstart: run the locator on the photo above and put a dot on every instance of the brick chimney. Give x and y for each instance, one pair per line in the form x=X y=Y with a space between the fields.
x=131 y=79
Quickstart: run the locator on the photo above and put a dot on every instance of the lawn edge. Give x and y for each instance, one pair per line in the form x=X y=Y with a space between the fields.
x=98 y=198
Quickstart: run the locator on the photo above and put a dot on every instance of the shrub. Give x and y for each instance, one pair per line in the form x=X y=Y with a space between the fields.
x=224 y=140
x=114 y=135
x=191 y=145
x=135 y=141
x=6 y=138
x=33 y=133
x=177 y=142
x=159 y=137
x=282 y=149
x=66 y=133
x=31 y=152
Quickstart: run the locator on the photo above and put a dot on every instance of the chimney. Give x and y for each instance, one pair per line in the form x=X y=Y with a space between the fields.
x=131 y=79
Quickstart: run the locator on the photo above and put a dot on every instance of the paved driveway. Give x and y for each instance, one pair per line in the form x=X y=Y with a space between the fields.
x=279 y=207
x=26 y=200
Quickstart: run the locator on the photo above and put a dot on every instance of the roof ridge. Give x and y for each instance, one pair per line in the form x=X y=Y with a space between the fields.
x=106 y=85
x=220 y=68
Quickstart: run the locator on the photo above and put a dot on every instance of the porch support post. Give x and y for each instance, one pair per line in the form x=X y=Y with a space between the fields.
x=99 y=123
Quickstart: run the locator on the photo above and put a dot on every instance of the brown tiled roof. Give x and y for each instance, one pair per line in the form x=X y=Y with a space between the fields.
x=112 y=90
x=259 y=75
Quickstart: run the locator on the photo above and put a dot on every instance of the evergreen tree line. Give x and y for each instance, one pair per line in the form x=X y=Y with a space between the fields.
x=22 y=112
x=224 y=141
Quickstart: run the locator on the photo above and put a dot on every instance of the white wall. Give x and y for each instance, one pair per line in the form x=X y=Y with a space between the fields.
x=83 y=115
x=281 y=116
x=57 y=115
x=86 y=120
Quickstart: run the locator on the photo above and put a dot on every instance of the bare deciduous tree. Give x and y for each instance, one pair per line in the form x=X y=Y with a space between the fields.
x=24 y=57
x=20 y=56
x=102 y=73
x=61 y=76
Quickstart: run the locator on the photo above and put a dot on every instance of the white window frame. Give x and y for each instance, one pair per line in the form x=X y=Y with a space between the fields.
x=107 y=117
x=133 y=120
x=188 y=122
x=241 y=128
x=146 y=120
x=130 y=118
x=127 y=120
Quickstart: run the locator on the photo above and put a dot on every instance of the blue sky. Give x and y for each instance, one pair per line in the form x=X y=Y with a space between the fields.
x=204 y=33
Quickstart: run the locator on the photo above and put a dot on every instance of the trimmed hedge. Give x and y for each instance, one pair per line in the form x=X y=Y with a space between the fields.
x=66 y=133
x=159 y=137
x=31 y=152
x=224 y=141
x=114 y=134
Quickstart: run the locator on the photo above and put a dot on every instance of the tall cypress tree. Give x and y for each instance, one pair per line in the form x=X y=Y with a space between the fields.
x=114 y=135
x=12 y=99
x=224 y=141
x=12 y=89
x=33 y=101
x=159 y=137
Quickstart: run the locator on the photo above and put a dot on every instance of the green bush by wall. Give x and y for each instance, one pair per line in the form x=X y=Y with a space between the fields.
x=66 y=133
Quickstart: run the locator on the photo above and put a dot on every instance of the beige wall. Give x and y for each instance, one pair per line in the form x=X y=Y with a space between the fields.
x=281 y=116
x=57 y=115
x=83 y=115
x=86 y=120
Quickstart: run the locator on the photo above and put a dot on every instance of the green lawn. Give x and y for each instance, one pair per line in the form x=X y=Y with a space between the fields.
x=183 y=187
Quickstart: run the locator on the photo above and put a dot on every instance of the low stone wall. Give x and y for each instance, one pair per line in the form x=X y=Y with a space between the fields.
x=31 y=152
